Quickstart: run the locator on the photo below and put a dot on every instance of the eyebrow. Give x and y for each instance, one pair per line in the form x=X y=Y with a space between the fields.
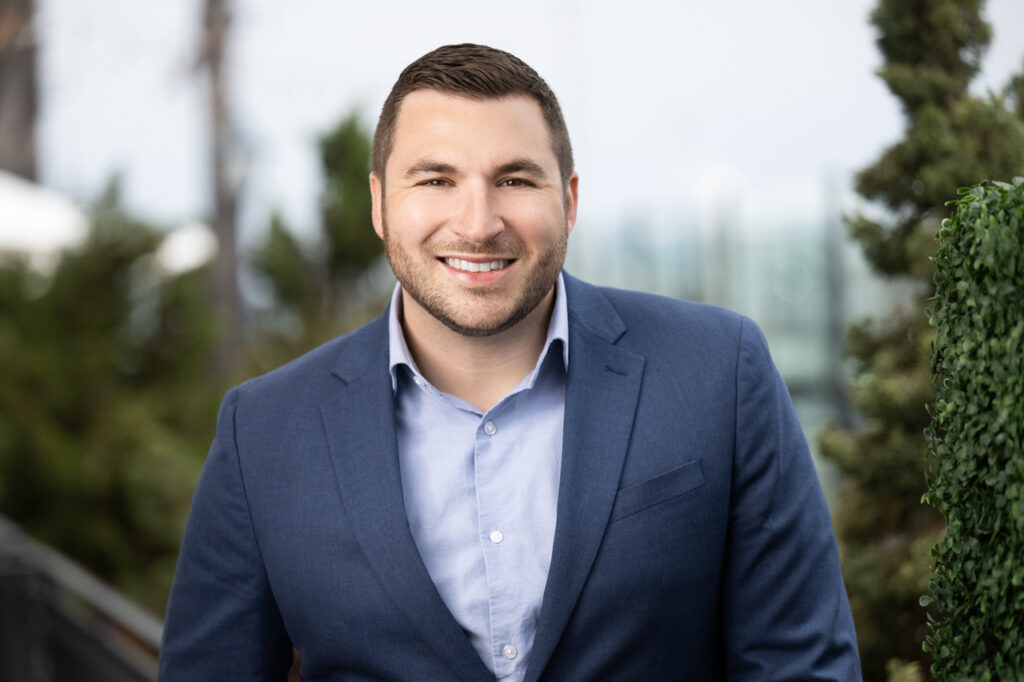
x=523 y=166
x=428 y=166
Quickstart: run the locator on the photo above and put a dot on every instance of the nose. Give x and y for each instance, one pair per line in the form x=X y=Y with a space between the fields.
x=478 y=220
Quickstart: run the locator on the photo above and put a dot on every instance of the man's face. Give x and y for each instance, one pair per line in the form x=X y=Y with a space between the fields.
x=474 y=216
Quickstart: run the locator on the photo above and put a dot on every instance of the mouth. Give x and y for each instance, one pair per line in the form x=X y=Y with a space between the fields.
x=476 y=266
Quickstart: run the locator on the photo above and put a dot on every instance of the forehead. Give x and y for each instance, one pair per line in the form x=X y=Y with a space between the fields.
x=433 y=124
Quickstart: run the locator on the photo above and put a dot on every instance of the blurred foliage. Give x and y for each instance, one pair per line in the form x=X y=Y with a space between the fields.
x=932 y=49
x=977 y=437
x=901 y=671
x=107 y=401
x=320 y=290
x=352 y=245
x=104 y=408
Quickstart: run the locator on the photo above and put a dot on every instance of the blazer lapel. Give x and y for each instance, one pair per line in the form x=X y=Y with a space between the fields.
x=358 y=416
x=600 y=405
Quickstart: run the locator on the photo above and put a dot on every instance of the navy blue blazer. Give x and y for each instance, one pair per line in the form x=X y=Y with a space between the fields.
x=692 y=540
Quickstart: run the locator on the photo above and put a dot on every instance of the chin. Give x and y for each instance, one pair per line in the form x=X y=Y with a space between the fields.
x=479 y=328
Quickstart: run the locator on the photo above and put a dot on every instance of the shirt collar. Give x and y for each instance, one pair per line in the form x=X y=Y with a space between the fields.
x=398 y=350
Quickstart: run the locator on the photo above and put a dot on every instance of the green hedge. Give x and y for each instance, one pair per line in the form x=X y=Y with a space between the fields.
x=976 y=437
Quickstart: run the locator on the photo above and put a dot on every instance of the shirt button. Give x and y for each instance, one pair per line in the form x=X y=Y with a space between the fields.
x=497 y=536
x=419 y=382
x=490 y=429
x=509 y=652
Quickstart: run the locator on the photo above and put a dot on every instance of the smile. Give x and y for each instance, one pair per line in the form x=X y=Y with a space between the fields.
x=469 y=266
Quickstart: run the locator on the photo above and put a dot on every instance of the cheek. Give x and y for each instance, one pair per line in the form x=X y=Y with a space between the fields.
x=414 y=220
x=538 y=220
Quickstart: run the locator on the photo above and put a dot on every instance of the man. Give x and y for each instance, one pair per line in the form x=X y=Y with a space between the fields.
x=511 y=473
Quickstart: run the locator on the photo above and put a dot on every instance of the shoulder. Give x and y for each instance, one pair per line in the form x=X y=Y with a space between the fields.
x=651 y=322
x=641 y=310
x=304 y=377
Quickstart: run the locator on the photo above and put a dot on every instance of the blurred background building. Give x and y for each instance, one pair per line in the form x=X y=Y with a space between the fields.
x=788 y=265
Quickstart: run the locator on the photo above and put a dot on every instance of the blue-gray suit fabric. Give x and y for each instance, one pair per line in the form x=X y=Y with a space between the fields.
x=692 y=538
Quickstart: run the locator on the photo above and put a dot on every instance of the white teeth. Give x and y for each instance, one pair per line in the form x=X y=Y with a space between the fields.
x=468 y=266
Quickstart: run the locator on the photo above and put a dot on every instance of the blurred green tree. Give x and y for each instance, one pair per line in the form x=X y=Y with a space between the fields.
x=932 y=50
x=107 y=402
x=352 y=245
x=317 y=288
x=105 y=411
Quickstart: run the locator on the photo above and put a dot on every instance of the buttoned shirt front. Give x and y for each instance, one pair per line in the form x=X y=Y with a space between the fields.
x=481 y=491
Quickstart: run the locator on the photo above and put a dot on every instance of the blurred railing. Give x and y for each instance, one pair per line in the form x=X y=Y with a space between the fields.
x=58 y=623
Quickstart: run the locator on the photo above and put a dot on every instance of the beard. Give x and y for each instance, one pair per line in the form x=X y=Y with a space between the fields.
x=489 y=310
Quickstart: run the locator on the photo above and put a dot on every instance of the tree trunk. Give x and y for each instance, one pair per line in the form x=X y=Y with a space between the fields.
x=225 y=188
x=18 y=88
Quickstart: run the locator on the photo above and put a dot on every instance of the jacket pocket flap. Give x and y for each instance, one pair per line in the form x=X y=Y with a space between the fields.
x=645 y=494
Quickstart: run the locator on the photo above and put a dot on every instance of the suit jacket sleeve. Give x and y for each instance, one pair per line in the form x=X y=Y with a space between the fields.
x=222 y=622
x=785 y=610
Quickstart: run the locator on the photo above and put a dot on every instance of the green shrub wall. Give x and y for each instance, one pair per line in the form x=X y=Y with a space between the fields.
x=976 y=437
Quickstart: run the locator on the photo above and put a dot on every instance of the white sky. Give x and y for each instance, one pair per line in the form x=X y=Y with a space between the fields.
x=665 y=101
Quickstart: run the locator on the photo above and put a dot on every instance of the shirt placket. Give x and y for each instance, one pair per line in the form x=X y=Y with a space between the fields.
x=496 y=541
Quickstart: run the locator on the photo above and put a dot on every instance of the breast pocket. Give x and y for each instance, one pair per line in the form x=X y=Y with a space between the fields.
x=637 y=497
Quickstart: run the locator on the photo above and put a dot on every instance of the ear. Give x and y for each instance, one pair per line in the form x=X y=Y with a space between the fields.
x=377 y=197
x=572 y=197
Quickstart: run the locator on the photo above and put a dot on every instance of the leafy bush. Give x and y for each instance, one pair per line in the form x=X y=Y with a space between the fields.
x=976 y=437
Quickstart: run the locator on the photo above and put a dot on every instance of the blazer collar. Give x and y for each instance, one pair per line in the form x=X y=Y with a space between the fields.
x=589 y=308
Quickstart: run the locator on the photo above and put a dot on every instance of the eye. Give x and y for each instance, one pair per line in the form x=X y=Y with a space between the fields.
x=515 y=182
x=435 y=182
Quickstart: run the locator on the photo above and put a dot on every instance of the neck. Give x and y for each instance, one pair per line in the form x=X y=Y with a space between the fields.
x=480 y=370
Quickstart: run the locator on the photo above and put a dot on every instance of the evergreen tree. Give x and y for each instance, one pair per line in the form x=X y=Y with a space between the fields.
x=932 y=50
x=105 y=412
x=352 y=245
x=107 y=405
x=316 y=288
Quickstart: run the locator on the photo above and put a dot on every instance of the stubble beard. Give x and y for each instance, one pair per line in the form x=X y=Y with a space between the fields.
x=416 y=281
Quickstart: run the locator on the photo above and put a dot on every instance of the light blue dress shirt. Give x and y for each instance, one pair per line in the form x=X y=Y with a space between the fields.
x=481 y=491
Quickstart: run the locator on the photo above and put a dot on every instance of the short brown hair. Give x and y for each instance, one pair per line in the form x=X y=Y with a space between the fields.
x=476 y=72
